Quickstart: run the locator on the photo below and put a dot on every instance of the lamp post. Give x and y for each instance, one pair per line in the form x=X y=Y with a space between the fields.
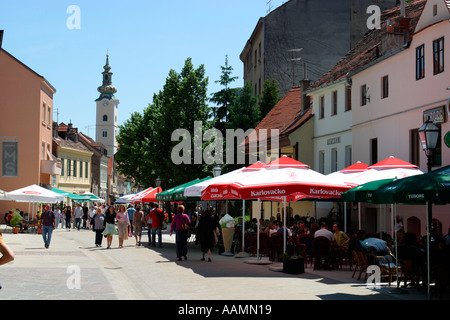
x=158 y=182
x=217 y=170
x=429 y=134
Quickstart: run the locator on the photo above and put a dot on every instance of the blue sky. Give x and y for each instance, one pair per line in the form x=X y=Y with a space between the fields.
x=144 y=38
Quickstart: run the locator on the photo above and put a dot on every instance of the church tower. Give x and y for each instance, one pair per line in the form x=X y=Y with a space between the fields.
x=107 y=111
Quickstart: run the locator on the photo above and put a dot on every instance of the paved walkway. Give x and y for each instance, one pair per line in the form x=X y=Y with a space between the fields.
x=73 y=268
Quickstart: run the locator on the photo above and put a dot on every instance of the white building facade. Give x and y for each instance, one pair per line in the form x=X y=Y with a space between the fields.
x=394 y=96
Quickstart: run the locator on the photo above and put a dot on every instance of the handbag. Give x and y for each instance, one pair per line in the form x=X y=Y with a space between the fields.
x=130 y=234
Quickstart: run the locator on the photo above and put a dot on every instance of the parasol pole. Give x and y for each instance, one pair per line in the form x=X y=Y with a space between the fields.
x=284 y=229
x=257 y=230
x=359 y=215
x=243 y=225
x=345 y=216
x=428 y=250
x=396 y=246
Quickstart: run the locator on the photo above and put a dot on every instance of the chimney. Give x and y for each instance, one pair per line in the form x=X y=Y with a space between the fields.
x=305 y=99
x=403 y=9
x=55 y=129
x=72 y=133
x=1 y=38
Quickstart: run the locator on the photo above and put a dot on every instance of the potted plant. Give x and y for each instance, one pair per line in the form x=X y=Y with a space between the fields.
x=15 y=221
x=292 y=264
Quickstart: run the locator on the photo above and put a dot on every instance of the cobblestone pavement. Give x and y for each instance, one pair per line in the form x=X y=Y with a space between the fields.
x=73 y=268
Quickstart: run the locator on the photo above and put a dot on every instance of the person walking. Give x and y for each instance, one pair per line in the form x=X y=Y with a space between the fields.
x=157 y=217
x=110 y=225
x=62 y=217
x=57 y=216
x=123 y=223
x=85 y=216
x=131 y=212
x=78 y=214
x=180 y=224
x=92 y=212
x=47 y=222
x=6 y=252
x=98 y=226
x=138 y=221
x=205 y=233
x=68 y=215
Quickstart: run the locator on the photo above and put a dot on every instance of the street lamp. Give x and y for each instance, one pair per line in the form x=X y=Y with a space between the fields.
x=158 y=182
x=429 y=134
x=216 y=171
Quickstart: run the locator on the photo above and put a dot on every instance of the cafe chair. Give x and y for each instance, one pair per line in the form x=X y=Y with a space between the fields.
x=277 y=246
x=307 y=240
x=322 y=253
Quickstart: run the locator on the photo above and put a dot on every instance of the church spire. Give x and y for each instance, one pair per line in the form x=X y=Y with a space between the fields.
x=106 y=90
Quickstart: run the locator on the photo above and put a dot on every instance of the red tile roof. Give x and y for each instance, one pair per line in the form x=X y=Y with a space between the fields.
x=282 y=115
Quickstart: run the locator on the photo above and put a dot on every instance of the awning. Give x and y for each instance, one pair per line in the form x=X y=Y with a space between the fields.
x=70 y=195
x=177 y=193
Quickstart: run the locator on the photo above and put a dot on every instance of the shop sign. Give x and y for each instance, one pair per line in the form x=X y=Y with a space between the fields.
x=437 y=115
x=334 y=140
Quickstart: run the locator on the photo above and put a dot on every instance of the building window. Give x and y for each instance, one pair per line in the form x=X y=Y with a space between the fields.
x=105 y=118
x=348 y=156
x=43 y=111
x=74 y=168
x=49 y=117
x=373 y=151
x=334 y=103
x=322 y=162
x=321 y=107
x=334 y=159
x=414 y=147
x=420 y=62
x=62 y=167
x=105 y=134
x=81 y=169
x=348 y=98
x=86 y=170
x=436 y=158
x=69 y=164
x=363 y=95
x=384 y=87
x=434 y=10
x=10 y=159
x=438 y=56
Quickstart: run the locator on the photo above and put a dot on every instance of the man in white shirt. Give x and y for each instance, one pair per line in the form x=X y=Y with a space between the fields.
x=324 y=232
x=78 y=213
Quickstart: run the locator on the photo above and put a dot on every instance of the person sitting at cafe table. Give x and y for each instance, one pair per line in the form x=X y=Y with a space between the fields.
x=324 y=232
x=281 y=230
x=340 y=237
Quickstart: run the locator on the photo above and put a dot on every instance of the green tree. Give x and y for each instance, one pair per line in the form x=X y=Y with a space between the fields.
x=145 y=143
x=182 y=101
x=136 y=142
x=269 y=97
x=223 y=98
x=244 y=112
